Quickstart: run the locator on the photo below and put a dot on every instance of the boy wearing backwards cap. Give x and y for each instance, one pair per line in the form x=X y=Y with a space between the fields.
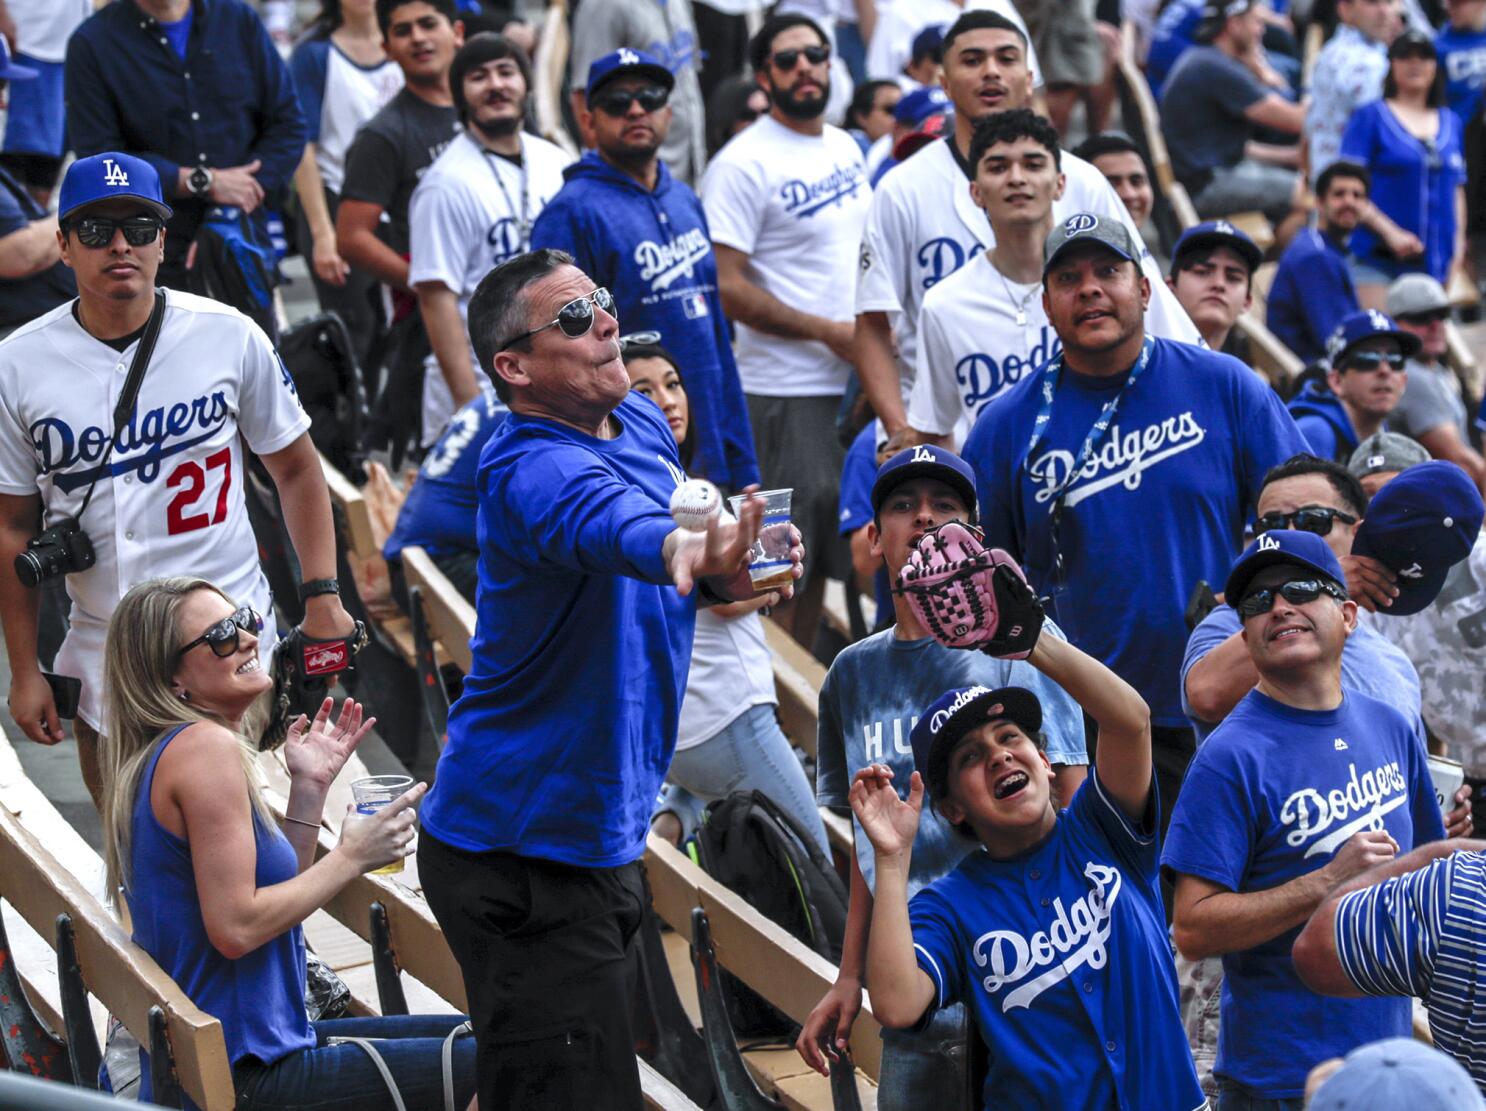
x=1053 y=933
x=1305 y=784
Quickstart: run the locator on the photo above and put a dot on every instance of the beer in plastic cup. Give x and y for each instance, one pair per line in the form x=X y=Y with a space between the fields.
x=1447 y=776
x=374 y=792
x=769 y=565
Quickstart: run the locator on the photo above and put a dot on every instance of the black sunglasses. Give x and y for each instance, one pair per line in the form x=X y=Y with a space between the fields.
x=616 y=102
x=575 y=318
x=1422 y=318
x=1297 y=593
x=224 y=636
x=786 y=59
x=98 y=231
x=1372 y=360
x=1309 y=518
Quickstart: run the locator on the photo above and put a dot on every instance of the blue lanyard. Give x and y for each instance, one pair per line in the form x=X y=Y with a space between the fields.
x=1096 y=434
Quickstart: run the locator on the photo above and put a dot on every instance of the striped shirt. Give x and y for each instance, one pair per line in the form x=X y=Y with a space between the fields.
x=1424 y=934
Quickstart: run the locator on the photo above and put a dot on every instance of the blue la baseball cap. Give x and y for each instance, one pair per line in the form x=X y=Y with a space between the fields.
x=1218 y=233
x=9 y=70
x=622 y=63
x=1420 y=525
x=924 y=461
x=1282 y=546
x=1367 y=324
x=915 y=107
x=102 y=177
x=953 y=714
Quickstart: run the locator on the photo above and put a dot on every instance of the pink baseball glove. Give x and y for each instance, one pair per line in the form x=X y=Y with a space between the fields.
x=971 y=596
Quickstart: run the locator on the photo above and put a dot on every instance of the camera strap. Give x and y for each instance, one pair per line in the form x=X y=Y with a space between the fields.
x=130 y=393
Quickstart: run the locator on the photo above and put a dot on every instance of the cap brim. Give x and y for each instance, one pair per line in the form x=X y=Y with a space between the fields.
x=164 y=211
x=1018 y=705
x=945 y=474
x=658 y=74
x=1408 y=343
x=1415 y=593
x=1247 y=248
x=1085 y=241
x=1243 y=574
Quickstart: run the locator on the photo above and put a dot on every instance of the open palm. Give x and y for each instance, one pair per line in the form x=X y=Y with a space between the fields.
x=317 y=750
x=889 y=822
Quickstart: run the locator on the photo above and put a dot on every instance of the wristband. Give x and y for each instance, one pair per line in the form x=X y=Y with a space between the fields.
x=314 y=587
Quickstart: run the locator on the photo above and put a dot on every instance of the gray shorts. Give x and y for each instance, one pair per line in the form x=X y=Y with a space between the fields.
x=796 y=443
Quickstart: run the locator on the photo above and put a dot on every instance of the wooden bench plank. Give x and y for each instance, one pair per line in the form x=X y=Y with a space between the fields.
x=1269 y=356
x=451 y=618
x=797 y=679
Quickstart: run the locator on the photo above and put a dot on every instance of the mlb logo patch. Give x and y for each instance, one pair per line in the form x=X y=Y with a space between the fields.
x=695 y=306
x=326 y=659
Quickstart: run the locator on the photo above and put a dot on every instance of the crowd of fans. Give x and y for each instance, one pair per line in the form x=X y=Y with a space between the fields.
x=890 y=256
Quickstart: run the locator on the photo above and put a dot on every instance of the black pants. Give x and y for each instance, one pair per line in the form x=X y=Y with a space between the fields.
x=1172 y=750
x=548 y=957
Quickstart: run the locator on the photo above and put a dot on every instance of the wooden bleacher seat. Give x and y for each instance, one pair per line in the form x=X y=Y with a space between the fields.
x=551 y=65
x=1268 y=355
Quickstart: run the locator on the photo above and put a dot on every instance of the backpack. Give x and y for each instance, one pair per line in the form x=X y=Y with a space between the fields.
x=237 y=265
x=755 y=849
x=321 y=360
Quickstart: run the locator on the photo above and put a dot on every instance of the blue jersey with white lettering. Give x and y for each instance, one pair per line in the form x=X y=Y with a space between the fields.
x=1161 y=504
x=653 y=251
x=1062 y=956
x=871 y=697
x=1462 y=55
x=1272 y=795
x=439 y=513
x=568 y=719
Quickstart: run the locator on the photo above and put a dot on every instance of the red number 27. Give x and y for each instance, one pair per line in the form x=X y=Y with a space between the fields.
x=190 y=477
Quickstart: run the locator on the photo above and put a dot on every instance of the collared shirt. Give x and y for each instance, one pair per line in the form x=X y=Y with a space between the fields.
x=1349 y=73
x=228 y=102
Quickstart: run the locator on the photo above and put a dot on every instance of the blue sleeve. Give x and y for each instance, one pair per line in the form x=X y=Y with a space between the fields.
x=1429 y=820
x=281 y=132
x=936 y=941
x=1269 y=433
x=1212 y=825
x=1134 y=843
x=308 y=66
x=1357 y=138
x=1320 y=436
x=739 y=445
x=832 y=782
x=1326 y=302
x=12 y=216
x=994 y=479
x=1213 y=630
x=1387 y=936
x=93 y=124
x=857 y=475
x=562 y=507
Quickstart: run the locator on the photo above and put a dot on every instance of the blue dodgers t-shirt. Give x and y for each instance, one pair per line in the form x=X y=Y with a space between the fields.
x=439 y=513
x=1371 y=665
x=1272 y=795
x=568 y=719
x=1062 y=954
x=869 y=702
x=1161 y=504
x=1462 y=55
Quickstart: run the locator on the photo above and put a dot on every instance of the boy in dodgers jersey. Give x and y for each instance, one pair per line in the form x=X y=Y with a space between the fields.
x=923 y=224
x=869 y=704
x=1053 y=932
x=1304 y=785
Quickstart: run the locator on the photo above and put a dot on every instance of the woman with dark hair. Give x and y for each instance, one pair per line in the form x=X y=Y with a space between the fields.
x=733 y=105
x=728 y=738
x=1412 y=145
x=217 y=892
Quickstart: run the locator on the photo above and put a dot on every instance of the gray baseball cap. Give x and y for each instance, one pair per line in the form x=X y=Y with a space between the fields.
x=1087 y=227
x=1414 y=294
x=1383 y=452
x=1397 y=1072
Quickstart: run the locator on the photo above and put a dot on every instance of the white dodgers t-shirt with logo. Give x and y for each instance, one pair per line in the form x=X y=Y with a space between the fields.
x=796 y=204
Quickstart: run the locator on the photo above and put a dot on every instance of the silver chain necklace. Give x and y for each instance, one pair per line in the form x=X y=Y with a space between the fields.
x=1021 y=309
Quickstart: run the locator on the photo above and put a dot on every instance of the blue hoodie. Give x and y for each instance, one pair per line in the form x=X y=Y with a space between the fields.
x=1323 y=422
x=653 y=251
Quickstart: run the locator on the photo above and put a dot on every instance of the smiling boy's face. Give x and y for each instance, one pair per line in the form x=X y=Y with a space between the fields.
x=998 y=779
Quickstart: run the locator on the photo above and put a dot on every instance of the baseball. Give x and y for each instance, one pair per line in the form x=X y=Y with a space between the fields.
x=694 y=503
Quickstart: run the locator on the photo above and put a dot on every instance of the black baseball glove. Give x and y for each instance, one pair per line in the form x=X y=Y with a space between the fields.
x=304 y=669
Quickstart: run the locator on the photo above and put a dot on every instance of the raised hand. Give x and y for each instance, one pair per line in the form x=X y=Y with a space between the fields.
x=889 y=822
x=317 y=750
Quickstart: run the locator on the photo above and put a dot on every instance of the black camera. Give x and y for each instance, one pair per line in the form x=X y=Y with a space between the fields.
x=59 y=550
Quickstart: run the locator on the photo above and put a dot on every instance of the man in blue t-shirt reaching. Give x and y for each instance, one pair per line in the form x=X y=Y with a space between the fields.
x=1305 y=784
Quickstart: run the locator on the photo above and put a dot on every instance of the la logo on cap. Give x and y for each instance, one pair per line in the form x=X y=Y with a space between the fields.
x=1084 y=221
x=1379 y=321
x=924 y=455
x=113 y=174
x=628 y=57
x=1268 y=543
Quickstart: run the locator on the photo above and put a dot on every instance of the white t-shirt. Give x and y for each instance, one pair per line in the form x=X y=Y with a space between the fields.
x=899 y=23
x=43 y=26
x=795 y=204
x=353 y=94
x=171 y=502
x=924 y=226
x=471 y=212
x=731 y=671
x=971 y=346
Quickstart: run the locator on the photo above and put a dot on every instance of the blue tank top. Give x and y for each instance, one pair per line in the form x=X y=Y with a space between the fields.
x=258 y=998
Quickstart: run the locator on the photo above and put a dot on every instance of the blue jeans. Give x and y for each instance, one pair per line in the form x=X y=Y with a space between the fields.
x=1232 y=1097
x=924 y=1068
x=751 y=754
x=335 y=1077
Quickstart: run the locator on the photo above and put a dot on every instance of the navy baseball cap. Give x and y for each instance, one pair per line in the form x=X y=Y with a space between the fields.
x=953 y=714
x=1282 y=546
x=9 y=71
x=1087 y=227
x=622 y=63
x=105 y=176
x=1366 y=324
x=915 y=107
x=927 y=43
x=1420 y=525
x=1218 y=233
x=924 y=461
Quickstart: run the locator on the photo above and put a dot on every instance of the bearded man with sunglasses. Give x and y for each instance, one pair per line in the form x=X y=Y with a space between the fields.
x=165 y=496
x=1368 y=354
x=635 y=228
x=1305 y=784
